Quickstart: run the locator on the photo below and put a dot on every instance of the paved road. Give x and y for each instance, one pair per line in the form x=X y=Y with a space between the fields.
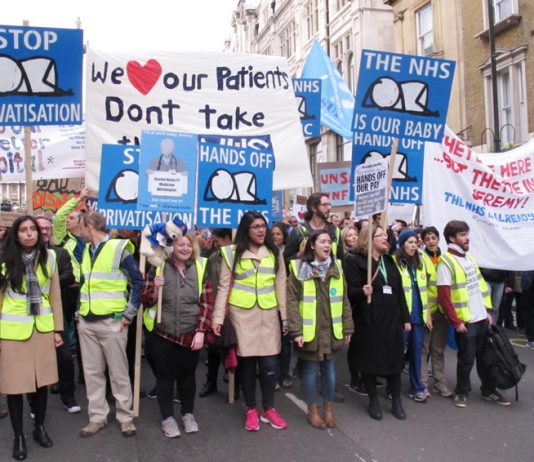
x=436 y=431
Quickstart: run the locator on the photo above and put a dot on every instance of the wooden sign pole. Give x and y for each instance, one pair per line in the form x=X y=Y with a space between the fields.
x=384 y=216
x=369 y=254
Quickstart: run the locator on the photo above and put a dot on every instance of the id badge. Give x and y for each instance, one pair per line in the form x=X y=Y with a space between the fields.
x=387 y=290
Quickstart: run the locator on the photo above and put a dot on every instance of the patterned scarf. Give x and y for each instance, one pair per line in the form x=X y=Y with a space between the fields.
x=33 y=295
x=306 y=269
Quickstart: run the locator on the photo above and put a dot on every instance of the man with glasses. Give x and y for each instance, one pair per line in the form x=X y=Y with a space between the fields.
x=316 y=218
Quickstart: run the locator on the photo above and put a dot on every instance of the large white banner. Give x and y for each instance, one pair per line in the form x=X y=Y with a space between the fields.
x=199 y=93
x=493 y=193
x=57 y=152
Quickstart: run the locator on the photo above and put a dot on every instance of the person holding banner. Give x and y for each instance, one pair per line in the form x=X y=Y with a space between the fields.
x=176 y=341
x=253 y=284
x=108 y=267
x=379 y=336
x=465 y=297
x=316 y=218
x=320 y=321
x=31 y=321
x=416 y=278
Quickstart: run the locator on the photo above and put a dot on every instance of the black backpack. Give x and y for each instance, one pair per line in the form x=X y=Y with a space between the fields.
x=501 y=359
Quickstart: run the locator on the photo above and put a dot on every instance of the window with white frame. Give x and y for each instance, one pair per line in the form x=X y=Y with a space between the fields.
x=503 y=8
x=288 y=40
x=513 y=112
x=425 y=34
x=351 y=71
x=311 y=18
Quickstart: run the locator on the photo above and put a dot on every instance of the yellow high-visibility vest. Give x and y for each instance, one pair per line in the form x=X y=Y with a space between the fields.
x=432 y=275
x=104 y=289
x=422 y=283
x=308 y=303
x=15 y=322
x=149 y=315
x=459 y=293
x=252 y=285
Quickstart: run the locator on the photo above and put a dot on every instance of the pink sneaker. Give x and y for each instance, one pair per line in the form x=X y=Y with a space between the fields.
x=252 y=420
x=273 y=417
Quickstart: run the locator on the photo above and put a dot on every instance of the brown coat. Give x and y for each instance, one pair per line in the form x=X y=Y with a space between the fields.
x=324 y=344
x=30 y=363
x=258 y=331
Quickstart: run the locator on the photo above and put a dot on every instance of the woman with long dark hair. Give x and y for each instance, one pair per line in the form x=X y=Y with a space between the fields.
x=31 y=320
x=253 y=285
x=380 y=323
x=320 y=321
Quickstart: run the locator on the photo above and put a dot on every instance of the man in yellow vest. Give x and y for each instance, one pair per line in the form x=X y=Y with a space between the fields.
x=108 y=267
x=464 y=295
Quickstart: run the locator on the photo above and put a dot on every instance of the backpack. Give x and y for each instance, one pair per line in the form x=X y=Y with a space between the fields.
x=501 y=359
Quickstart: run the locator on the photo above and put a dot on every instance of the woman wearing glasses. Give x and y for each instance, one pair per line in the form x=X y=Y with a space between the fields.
x=380 y=324
x=253 y=285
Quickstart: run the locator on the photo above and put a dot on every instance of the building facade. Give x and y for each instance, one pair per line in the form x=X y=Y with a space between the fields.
x=289 y=27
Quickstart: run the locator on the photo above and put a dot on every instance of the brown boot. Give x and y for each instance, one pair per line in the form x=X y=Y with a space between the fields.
x=329 y=419
x=314 y=418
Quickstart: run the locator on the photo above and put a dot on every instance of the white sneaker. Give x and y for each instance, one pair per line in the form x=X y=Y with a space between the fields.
x=169 y=427
x=190 y=424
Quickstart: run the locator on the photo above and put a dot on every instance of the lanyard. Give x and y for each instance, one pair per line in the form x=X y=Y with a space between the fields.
x=382 y=268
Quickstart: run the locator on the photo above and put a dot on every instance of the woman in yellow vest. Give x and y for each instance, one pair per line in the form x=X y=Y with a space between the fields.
x=31 y=320
x=320 y=321
x=176 y=341
x=253 y=285
x=415 y=283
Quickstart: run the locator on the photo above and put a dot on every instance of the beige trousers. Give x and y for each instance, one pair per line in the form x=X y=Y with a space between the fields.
x=102 y=343
x=435 y=344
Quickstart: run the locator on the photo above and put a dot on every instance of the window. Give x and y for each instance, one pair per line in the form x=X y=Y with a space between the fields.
x=341 y=4
x=351 y=71
x=311 y=18
x=502 y=9
x=511 y=84
x=288 y=40
x=339 y=67
x=425 y=36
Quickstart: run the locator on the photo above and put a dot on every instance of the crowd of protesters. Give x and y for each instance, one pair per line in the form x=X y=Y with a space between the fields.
x=288 y=297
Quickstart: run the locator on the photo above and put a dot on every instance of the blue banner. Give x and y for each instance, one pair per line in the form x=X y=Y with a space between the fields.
x=41 y=76
x=167 y=171
x=407 y=185
x=403 y=96
x=308 y=94
x=337 y=102
x=233 y=180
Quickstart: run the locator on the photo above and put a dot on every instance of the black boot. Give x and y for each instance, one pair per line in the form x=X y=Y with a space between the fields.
x=19 y=448
x=39 y=435
x=375 y=412
x=208 y=389
x=397 y=409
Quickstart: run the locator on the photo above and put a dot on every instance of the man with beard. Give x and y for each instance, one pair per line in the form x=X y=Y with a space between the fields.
x=465 y=297
x=316 y=218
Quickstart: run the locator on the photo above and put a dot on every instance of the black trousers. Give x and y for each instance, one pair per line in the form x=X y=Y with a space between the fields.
x=393 y=383
x=470 y=347
x=215 y=356
x=246 y=371
x=174 y=363
x=65 y=363
x=15 y=405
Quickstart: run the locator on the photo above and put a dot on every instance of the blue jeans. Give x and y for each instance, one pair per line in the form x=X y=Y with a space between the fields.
x=496 y=292
x=415 y=340
x=308 y=372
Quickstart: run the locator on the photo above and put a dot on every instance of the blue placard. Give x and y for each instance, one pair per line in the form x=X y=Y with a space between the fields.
x=167 y=171
x=308 y=94
x=403 y=96
x=233 y=180
x=407 y=179
x=118 y=191
x=41 y=71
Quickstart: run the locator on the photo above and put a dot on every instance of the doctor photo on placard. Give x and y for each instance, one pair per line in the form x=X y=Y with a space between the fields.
x=167 y=161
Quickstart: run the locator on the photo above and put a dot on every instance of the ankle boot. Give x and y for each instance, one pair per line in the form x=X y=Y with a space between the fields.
x=19 y=448
x=314 y=418
x=375 y=412
x=39 y=435
x=329 y=419
x=397 y=409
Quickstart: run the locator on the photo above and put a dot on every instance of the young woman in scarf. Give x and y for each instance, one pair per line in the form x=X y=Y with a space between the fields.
x=320 y=321
x=31 y=320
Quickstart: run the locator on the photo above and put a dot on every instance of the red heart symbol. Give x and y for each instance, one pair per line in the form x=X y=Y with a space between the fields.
x=143 y=77
x=301 y=215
